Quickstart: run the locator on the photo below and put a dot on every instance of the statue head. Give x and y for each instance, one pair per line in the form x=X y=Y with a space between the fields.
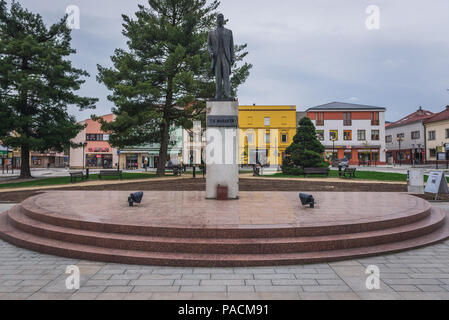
x=220 y=20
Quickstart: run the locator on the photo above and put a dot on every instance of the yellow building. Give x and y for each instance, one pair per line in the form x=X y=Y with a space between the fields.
x=437 y=137
x=265 y=133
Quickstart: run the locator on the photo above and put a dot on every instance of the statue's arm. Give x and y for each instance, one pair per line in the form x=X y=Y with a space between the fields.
x=232 y=49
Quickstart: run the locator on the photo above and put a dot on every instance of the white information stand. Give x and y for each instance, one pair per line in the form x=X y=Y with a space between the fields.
x=437 y=183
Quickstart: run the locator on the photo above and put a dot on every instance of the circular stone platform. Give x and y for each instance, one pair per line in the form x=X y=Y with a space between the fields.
x=185 y=229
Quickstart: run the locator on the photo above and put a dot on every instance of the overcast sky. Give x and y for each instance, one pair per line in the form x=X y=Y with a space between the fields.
x=304 y=53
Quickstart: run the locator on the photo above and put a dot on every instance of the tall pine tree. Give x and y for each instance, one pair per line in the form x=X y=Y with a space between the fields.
x=37 y=84
x=164 y=78
x=305 y=151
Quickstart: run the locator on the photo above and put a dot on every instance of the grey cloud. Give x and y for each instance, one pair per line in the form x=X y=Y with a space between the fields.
x=304 y=52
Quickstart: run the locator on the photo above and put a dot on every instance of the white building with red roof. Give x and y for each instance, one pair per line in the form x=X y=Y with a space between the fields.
x=405 y=138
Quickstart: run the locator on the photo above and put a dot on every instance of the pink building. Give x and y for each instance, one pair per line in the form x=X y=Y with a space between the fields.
x=97 y=152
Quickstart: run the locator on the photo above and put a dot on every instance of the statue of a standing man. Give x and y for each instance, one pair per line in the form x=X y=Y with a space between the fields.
x=220 y=45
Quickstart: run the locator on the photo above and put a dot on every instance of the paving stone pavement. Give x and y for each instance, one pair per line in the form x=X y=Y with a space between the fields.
x=416 y=274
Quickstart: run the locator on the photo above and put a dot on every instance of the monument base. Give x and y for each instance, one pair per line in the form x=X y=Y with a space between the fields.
x=222 y=148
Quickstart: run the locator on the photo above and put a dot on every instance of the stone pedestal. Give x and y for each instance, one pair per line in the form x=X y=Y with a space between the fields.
x=222 y=164
x=416 y=181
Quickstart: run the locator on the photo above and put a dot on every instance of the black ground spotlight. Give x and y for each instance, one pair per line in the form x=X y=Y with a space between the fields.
x=307 y=199
x=135 y=197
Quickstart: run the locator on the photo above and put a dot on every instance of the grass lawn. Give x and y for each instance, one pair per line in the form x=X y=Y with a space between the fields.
x=66 y=180
x=360 y=175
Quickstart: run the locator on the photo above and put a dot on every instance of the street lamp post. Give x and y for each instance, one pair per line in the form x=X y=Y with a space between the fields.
x=333 y=149
x=400 y=139
x=84 y=157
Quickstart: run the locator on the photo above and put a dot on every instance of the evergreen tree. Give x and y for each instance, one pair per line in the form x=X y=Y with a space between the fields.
x=164 y=78
x=305 y=150
x=36 y=84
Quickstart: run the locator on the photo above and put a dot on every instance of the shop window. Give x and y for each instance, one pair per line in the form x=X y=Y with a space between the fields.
x=347 y=135
x=348 y=155
x=333 y=135
x=250 y=138
x=361 y=135
x=375 y=135
x=320 y=135
x=432 y=135
x=433 y=152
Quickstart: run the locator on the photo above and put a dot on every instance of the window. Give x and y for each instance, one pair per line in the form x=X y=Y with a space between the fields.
x=347 y=120
x=320 y=118
x=284 y=138
x=361 y=135
x=267 y=121
x=267 y=137
x=416 y=135
x=374 y=118
x=447 y=133
x=94 y=137
x=347 y=135
x=433 y=152
x=432 y=135
x=320 y=135
x=333 y=135
x=400 y=136
x=388 y=139
x=250 y=137
x=375 y=135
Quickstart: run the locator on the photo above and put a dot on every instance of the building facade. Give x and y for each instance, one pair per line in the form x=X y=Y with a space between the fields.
x=437 y=137
x=265 y=132
x=148 y=155
x=48 y=159
x=352 y=131
x=194 y=145
x=405 y=139
x=96 y=153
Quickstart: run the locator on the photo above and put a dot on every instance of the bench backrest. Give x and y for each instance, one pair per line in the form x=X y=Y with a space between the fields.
x=316 y=170
x=350 y=169
x=78 y=173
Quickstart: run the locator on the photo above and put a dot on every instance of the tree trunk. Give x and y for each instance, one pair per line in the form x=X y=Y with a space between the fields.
x=25 y=172
x=163 y=150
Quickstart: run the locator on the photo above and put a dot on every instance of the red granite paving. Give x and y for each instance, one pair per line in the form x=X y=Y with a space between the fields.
x=183 y=229
x=183 y=209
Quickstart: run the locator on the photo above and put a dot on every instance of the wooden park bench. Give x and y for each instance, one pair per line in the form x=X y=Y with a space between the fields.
x=316 y=171
x=110 y=173
x=350 y=172
x=76 y=175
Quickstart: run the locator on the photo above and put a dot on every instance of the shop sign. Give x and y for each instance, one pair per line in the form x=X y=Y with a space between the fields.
x=436 y=183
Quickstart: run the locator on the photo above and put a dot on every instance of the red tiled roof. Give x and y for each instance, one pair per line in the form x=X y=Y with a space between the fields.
x=443 y=115
x=413 y=117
